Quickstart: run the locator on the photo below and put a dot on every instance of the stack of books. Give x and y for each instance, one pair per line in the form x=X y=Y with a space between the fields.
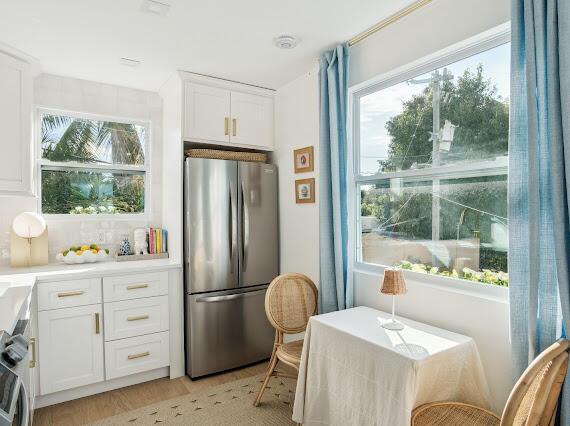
x=157 y=241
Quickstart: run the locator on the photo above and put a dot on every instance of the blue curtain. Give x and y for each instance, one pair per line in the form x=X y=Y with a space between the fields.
x=335 y=292
x=539 y=179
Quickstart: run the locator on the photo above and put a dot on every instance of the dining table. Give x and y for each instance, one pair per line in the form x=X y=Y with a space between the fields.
x=353 y=371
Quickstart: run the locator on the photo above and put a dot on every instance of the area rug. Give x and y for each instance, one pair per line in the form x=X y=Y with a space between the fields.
x=228 y=404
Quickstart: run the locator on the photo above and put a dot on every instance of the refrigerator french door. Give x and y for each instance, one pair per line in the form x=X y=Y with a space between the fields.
x=231 y=255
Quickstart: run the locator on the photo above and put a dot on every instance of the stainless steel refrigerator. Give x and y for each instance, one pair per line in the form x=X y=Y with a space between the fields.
x=231 y=254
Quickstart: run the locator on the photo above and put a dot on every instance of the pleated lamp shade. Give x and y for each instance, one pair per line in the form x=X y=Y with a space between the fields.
x=393 y=282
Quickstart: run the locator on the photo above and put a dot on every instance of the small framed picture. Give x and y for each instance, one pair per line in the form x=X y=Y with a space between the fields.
x=303 y=158
x=305 y=191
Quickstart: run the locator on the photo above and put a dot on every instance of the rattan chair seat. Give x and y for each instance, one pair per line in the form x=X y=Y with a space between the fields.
x=290 y=353
x=453 y=414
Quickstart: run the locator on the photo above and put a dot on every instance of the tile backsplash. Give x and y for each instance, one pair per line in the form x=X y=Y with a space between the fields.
x=63 y=93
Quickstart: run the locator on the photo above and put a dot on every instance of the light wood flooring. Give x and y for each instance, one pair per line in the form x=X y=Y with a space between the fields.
x=96 y=407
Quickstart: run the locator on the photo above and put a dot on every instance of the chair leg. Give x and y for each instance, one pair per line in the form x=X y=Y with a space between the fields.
x=272 y=364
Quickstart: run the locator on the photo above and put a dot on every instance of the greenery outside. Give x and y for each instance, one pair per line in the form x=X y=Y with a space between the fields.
x=473 y=209
x=79 y=190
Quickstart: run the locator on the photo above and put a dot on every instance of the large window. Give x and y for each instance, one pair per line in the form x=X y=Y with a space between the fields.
x=92 y=166
x=431 y=175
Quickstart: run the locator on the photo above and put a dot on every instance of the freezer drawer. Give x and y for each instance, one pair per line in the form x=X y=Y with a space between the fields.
x=226 y=330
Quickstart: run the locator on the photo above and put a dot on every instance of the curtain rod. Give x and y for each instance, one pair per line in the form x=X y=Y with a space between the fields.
x=389 y=20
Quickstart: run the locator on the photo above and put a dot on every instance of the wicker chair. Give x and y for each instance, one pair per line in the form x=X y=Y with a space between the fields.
x=289 y=302
x=532 y=401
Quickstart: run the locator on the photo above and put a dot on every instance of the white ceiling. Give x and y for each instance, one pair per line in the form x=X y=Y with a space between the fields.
x=224 y=38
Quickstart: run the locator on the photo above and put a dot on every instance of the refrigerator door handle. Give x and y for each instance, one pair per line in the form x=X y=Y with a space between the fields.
x=213 y=299
x=245 y=226
x=232 y=223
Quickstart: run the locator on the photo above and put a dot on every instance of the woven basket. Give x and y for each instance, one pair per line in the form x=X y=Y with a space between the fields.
x=227 y=155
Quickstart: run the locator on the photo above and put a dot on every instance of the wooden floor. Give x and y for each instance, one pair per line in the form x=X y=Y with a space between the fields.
x=96 y=407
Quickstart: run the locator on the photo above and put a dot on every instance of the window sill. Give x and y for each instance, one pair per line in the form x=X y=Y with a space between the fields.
x=143 y=217
x=469 y=288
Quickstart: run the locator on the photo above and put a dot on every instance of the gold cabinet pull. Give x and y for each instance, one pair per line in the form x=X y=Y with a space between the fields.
x=33 y=345
x=141 y=355
x=226 y=126
x=138 y=318
x=97 y=327
x=136 y=286
x=70 y=293
x=234 y=127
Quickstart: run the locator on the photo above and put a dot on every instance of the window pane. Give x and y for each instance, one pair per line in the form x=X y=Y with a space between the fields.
x=399 y=226
x=83 y=192
x=454 y=114
x=92 y=141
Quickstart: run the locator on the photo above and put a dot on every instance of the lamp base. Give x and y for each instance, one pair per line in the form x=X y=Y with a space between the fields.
x=391 y=324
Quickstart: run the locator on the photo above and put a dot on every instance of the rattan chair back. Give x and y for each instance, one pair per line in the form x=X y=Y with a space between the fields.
x=290 y=301
x=534 y=398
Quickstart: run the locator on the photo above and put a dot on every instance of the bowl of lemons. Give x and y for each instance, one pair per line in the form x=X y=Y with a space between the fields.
x=83 y=254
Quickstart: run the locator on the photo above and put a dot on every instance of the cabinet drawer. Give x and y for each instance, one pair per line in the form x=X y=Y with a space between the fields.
x=135 y=286
x=131 y=318
x=65 y=294
x=136 y=354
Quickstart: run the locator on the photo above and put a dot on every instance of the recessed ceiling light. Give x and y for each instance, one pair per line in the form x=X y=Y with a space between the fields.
x=285 y=42
x=133 y=63
x=155 y=7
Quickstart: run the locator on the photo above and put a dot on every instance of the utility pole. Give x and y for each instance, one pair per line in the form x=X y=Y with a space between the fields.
x=435 y=81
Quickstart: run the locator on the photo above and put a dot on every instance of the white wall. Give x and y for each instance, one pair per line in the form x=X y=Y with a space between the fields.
x=297 y=126
x=435 y=26
x=75 y=95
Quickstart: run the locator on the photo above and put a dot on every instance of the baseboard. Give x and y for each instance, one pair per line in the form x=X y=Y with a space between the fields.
x=107 y=385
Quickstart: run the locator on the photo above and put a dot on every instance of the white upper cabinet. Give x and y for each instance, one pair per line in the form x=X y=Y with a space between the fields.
x=207 y=113
x=252 y=120
x=16 y=125
x=222 y=113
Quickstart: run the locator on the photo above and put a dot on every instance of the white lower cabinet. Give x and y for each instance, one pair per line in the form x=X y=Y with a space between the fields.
x=136 y=354
x=71 y=353
x=96 y=329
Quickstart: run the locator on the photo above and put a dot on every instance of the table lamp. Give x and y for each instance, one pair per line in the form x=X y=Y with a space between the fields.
x=394 y=285
x=29 y=240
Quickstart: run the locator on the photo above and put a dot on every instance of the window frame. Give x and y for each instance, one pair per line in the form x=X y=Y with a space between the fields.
x=44 y=164
x=480 y=43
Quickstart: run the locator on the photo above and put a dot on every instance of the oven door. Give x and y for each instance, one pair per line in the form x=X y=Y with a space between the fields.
x=22 y=410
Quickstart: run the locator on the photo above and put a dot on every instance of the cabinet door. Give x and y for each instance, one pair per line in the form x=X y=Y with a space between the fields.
x=207 y=113
x=71 y=350
x=16 y=125
x=252 y=120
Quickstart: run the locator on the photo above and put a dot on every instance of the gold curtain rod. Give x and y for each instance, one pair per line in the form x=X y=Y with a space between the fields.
x=389 y=20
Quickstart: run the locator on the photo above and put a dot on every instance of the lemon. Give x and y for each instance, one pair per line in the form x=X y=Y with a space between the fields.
x=85 y=248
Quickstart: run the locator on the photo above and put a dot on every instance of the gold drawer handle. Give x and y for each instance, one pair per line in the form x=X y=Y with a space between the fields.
x=97 y=323
x=70 y=293
x=226 y=126
x=136 y=286
x=33 y=345
x=141 y=355
x=234 y=127
x=138 y=318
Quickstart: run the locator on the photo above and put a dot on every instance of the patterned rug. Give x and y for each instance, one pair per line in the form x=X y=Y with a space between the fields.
x=228 y=404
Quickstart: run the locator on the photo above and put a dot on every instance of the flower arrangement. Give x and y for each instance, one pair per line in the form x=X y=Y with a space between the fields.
x=486 y=276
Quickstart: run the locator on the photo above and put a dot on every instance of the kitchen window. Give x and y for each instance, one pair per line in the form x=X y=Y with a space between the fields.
x=92 y=165
x=431 y=164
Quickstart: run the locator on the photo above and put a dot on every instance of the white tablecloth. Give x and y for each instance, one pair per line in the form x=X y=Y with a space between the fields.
x=354 y=371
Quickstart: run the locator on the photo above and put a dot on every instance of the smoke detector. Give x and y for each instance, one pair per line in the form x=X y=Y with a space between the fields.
x=285 y=42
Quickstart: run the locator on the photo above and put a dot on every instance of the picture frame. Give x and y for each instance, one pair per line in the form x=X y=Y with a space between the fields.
x=303 y=159
x=305 y=191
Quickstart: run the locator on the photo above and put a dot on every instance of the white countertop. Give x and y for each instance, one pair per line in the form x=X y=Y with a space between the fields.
x=16 y=284
x=57 y=271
